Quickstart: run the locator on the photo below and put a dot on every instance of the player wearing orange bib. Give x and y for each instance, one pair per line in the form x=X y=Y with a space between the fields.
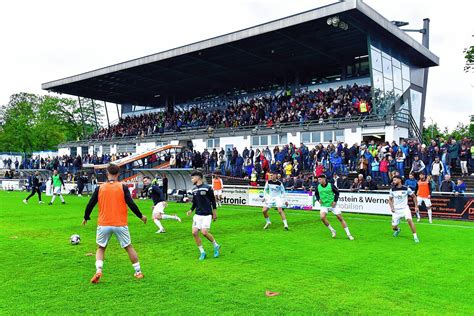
x=217 y=186
x=424 y=195
x=113 y=198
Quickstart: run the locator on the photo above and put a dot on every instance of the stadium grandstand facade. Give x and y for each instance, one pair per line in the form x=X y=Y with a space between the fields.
x=342 y=72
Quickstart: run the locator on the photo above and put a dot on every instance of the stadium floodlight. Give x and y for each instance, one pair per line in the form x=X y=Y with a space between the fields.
x=336 y=22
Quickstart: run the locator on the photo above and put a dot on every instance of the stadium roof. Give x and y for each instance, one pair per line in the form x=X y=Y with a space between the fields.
x=296 y=46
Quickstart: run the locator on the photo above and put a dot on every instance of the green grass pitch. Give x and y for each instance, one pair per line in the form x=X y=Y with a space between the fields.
x=41 y=273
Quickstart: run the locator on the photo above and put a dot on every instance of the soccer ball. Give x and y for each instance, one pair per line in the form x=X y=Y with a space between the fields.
x=75 y=239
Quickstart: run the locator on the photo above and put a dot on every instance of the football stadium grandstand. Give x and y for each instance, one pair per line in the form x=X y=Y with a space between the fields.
x=338 y=90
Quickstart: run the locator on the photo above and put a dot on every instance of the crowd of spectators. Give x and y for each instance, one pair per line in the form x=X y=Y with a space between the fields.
x=375 y=163
x=301 y=107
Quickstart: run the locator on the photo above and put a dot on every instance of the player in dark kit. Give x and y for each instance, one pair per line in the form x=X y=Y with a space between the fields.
x=35 y=188
x=204 y=202
x=159 y=204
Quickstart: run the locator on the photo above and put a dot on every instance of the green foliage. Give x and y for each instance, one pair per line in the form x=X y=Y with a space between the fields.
x=433 y=131
x=32 y=122
x=376 y=274
x=469 y=56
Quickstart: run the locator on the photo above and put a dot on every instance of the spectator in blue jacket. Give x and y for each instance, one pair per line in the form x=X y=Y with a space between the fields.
x=460 y=188
x=411 y=182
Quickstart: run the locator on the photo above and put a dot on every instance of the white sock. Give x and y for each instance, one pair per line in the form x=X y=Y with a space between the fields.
x=61 y=197
x=215 y=244
x=347 y=231
x=267 y=219
x=54 y=198
x=430 y=214
x=330 y=228
x=158 y=223
x=415 y=236
x=98 y=265
x=136 y=266
x=285 y=223
x=164 y=216
x=201 y=249
x=418 y=214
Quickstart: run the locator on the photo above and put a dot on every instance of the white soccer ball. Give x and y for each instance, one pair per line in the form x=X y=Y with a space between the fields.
x=185 y=199
x=75 y=239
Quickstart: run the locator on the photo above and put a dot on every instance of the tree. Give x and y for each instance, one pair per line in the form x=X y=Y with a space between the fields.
x=32 y=122
x=430 y=132
x=469 y=56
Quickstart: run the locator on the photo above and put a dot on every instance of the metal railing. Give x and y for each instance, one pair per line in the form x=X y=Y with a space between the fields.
x=256 y=129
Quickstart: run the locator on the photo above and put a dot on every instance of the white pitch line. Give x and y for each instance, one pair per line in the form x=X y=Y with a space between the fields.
x=305 y=213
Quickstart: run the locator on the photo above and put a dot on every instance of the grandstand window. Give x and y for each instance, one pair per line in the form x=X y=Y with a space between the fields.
x=105 y=149
x=316 y=137
x=278 y=139
x=405 y=72
x=213 y=143
x=378 y=80
x=306 y=138
x=339 y=135
x=263 y=140
x=126 y=148
x=376 y=59
x=388 y=84
x=84 y=150
x=387 y=68
x=397 y=78
x=73 y=151
x=255 y=140
x=396 y=63
x=327 y=136
x=406 y=85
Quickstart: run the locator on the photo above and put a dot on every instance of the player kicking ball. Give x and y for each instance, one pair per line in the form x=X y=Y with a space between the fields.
x=159 y=205
x=327 y=195
x=398 y=201
x=113 y=198
x=273 y=195
x=204 y=202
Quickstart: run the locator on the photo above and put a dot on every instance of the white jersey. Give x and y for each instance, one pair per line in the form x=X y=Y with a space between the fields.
x=400 y=197
x=273 y=189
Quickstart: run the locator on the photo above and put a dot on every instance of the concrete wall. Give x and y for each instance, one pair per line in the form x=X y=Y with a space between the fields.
x=350 y=136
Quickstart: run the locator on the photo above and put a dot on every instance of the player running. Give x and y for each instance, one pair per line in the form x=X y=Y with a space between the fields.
x=204 y=203
x=424 y=196
x=113 y=198
x=35 y=188
x=217 y=186
x=56 y=182
x=327 y=195
x=398 y=201
x=159 y=205
x=273 y=195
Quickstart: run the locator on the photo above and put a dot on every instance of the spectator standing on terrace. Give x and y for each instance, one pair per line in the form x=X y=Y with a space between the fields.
x=384 y=168
x=464 y=158
x=437 y=171
x=453 y=153
x=363 y=165
x=411 y=182
x=417 y=167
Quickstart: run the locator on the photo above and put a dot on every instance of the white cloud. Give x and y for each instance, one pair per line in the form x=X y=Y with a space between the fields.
x=52 y=39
